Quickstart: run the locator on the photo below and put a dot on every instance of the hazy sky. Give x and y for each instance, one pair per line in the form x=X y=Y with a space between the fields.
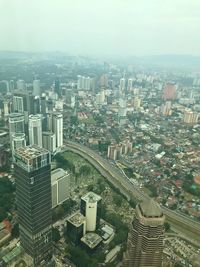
x=101 y=27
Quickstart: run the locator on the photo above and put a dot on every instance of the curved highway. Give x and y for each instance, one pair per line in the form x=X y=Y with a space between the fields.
x=126 y=187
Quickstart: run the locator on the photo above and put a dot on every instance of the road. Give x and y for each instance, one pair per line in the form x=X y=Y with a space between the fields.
x=182 y=223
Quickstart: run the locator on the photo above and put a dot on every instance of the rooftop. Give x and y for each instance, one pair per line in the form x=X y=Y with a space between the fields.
x=150 y=209
x=31 y=152
x=76 y=219
x=58 y=174
x=91 y=197
x=12 y=254
x=91 y=240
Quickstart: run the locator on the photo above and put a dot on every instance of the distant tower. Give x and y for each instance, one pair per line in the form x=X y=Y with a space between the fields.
x=21 y=86
x=18 y=140
x=16 y=124
x=57 y=87
x=145 y=241
x=57 y=127
x=35 y=130
x=32 y=169
x=36 y=88
x=122 y=85
x=91 y=209
x=169 y=91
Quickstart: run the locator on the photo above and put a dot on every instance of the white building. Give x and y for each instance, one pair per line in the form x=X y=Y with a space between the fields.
x=21 y=86
x=18 y=140
x=57 y=128
x=35 y=130
x=91 y=209
x=18 y=103
x=122 y=84
x=16 y=124
x=36 y=88
x=60 y=186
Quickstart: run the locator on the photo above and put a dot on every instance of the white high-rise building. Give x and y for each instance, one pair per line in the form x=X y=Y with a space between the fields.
x=16 y=124
x=91 y=209
x=57 y=127
x=122 y=84
x=36 y=88
x=190 y=117
x=35 y=130
x=6 y=108
x=18 y=140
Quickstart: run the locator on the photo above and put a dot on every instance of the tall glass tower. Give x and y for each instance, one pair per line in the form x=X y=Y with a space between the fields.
x=32 y=171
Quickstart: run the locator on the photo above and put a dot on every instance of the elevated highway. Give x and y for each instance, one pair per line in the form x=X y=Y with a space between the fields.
x=183 y=224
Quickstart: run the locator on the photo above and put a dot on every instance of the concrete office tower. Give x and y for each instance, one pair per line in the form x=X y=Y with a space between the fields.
x=91 y=209
x=35 y=130
x=18 y=103
x=145 y=241
x=49 y=141
x=57 y=127
x=11 y=86
x=18 y=140
x=87 y=83
x=58 y=87
x=36 y=88
x=16 y=124
x=21 y=86
x=76 y=227
x=32 y=170
x=169 y=91
x=60 y=186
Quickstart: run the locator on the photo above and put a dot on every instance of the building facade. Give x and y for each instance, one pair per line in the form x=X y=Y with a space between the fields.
x=32 y=170
x=16 y=124
x=91 y=209
x=145 y=241
x=35 y=130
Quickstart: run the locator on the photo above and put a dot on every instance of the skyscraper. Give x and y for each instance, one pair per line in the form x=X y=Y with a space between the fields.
x=145 y=241
x=57 y=127
x=32 y=170
x=16 y=124
x=169 y=91
x=49 y=141
x=57 y=87
x=36 y=88
x=35 y=130
x=18 y=140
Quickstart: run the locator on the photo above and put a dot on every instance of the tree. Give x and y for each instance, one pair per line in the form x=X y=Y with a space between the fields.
x=84 y=170
x=167 y=226
x=55 y=234
x=117 y=200
x=3 y=214
x=15 y=230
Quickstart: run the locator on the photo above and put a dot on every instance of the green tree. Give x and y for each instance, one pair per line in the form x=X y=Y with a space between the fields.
x=167 y=226
x=85 y=170
x=117 y=199
x=15 y=230
x=55 y=234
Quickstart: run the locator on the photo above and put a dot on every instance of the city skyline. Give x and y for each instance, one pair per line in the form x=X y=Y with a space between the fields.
x=101 y=28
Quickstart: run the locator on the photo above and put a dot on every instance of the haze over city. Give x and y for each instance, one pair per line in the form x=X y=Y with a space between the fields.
x=101 y=28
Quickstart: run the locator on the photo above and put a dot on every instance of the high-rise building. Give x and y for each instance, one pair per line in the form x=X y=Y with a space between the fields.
x=76 y=227
x=35 y=130
x=18 y=140
x=57 y=87
x=122 y=85
x=16 y=124
x=49 y=141
x=169 y=91
x=57 y=128
x=190 y=117
x=145 y=241
x=32 y=170
x=36 y=88
x=91 y=209
x=21 y=86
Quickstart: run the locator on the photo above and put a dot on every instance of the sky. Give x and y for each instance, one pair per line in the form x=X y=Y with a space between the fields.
x=101 y=27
